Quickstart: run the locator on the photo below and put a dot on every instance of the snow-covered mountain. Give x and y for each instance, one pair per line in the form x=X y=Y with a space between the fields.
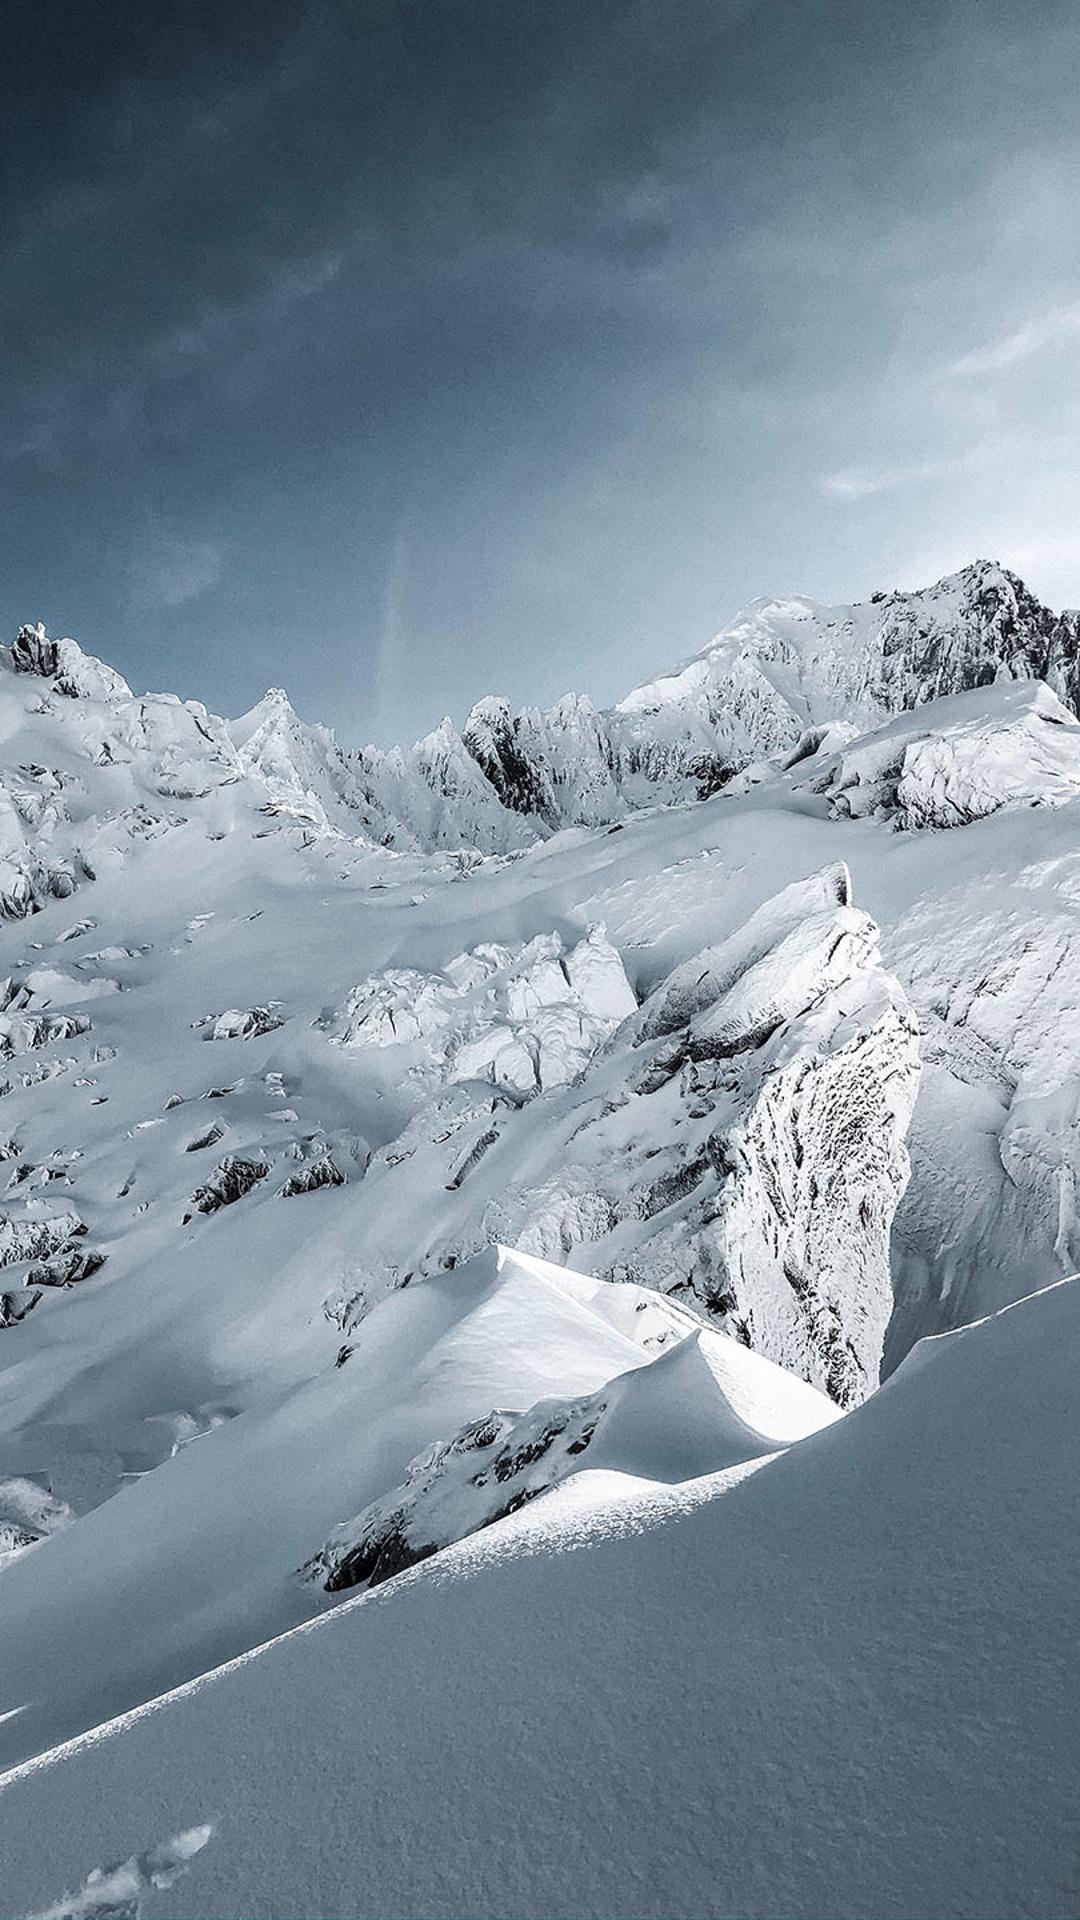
x=783 y=666
x=470 y=1153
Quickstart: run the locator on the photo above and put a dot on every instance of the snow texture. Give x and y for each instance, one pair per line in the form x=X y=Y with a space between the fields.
x=838 y=1680
x=321 y=1030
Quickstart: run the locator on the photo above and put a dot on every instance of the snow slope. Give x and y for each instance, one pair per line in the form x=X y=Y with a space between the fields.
x=838 y=1682
x=288 y=1048
x=200 y=1550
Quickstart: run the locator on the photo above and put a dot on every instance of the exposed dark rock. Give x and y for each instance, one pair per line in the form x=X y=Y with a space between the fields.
x=317 y=1173
x=33 y=652
x=15 y=1307
x=229 y=1182
x=69 y=1266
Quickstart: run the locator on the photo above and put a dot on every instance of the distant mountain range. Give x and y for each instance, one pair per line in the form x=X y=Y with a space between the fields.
x=781 y=667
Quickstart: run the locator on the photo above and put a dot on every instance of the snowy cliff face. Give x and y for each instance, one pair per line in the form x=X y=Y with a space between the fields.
x=784 y=665
x=740 y=1142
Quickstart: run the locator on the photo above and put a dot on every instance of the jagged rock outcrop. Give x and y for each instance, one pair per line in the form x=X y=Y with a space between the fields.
x=489 y=1469
x=75 y=674
x=240 y=1023
x=230 y=1181
x=31 y=1237
x=323 y=1172
x=306 y=775
x=68 y=1266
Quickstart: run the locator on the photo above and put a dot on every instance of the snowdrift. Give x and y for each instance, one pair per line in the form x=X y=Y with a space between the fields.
x=839 y=1682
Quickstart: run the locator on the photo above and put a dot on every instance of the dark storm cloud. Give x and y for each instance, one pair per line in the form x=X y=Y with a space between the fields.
x=403 y=349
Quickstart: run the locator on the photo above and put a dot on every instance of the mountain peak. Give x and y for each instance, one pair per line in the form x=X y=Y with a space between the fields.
x=74 y=673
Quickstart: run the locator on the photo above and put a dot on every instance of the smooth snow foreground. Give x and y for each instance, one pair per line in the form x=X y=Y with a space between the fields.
x=841 y=1681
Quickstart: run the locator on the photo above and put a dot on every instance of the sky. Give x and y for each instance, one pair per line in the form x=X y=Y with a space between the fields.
x=403 y=351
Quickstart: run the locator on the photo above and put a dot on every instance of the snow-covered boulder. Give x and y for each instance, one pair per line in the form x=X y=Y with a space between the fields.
x=528 y=1018
x=33 y=1236
x=234 y=1177
x=961 y=758
x=241 y=1023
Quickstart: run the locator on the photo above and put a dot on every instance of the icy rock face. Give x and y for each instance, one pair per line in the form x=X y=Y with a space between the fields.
x=557 y=767
x=527 y=1019
x=76 y=674
x=30 y=1237
x=229 y=1182
x=1012 y=745
x=741 y=1141
x=241 y=1023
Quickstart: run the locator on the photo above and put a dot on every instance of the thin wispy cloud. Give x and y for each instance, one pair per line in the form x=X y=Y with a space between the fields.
x=173 y=572
x=1039 y=334
x=863 y=482
x=267 y=308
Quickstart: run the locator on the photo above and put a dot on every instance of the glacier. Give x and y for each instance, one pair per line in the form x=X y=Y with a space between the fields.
x=583 y=1167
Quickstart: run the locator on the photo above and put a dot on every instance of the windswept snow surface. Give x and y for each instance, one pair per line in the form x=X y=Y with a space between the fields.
x=290 y=1041
x=839 y=1682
